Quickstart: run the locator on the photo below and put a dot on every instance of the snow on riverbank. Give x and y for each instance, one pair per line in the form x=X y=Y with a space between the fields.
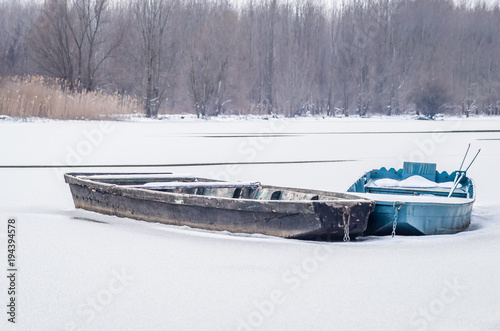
x=79 y=270
x=249 y=117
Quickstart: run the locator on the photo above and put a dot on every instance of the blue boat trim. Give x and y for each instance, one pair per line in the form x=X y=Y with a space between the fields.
x=424 y=211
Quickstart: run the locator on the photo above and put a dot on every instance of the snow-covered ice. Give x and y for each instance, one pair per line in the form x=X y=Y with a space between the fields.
x=79 y=270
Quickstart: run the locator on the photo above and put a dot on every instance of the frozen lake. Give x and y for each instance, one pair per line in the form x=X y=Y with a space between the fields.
x=79 y=270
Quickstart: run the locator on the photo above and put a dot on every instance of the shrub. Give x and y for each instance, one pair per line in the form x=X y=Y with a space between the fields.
x=430 y=98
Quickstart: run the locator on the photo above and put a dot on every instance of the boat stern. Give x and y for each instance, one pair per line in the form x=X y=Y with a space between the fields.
x=334 y=218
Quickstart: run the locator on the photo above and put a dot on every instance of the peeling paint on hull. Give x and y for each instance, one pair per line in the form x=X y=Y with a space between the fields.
x=300 y=219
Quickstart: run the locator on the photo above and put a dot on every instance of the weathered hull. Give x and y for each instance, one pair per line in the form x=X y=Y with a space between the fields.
x=419 y=218
x=287 y=219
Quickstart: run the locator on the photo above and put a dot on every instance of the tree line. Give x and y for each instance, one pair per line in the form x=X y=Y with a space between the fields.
x=264 y=57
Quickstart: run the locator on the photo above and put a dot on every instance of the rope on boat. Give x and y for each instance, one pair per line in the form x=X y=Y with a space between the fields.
x=396 y=210
x=346 y=217
x=164 y=165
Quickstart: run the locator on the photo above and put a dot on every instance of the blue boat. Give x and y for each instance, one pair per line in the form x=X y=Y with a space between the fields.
x=416 y=200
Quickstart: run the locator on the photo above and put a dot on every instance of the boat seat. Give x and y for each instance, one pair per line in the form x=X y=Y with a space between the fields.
x=373 y=188
x=426 y=170
x=193 y=185
x=138 y=179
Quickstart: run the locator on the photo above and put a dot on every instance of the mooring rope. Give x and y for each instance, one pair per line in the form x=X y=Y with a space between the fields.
x=49 y=166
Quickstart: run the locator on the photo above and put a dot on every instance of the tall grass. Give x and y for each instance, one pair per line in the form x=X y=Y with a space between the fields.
x=34 y=96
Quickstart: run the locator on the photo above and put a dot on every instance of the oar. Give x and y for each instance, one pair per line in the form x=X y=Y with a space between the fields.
x=455 y=184
x=456 y=180
x=474 y=159
x=463 y=160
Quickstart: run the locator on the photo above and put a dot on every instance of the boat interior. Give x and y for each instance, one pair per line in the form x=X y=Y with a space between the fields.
x=414 y=179
x=189 y=184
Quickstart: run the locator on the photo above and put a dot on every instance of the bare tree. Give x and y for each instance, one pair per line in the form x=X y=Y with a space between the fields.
x=210 y=54
x=52 y=43
x=152 y=18
x=67 y=41
x=99 y=45
x=15 y=20
x=290 y=57
x=269 y=58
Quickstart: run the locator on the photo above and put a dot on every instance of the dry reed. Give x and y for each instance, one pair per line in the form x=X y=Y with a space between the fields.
x=34 y=96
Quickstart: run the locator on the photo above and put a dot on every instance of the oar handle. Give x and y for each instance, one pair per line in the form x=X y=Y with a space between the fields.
x=474 y=159
x=463 y=160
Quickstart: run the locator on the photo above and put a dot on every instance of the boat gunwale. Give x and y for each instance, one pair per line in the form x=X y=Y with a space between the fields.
x=280 y=206
x=442 y=200
x=372 y=196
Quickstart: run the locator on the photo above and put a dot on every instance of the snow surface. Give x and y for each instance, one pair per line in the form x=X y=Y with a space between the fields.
x=79 y=270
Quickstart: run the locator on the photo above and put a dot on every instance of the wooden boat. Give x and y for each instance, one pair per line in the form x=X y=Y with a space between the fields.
x=417 y=200
x=238 y=207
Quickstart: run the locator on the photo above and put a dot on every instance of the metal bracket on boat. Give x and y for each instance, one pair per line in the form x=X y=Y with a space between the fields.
x=396 y=210
x=346 y=217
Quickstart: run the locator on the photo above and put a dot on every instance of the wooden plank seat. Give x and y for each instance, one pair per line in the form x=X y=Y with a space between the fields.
x=439 y=191
x=139 y=176
x=139 y=179
x=194 y=185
